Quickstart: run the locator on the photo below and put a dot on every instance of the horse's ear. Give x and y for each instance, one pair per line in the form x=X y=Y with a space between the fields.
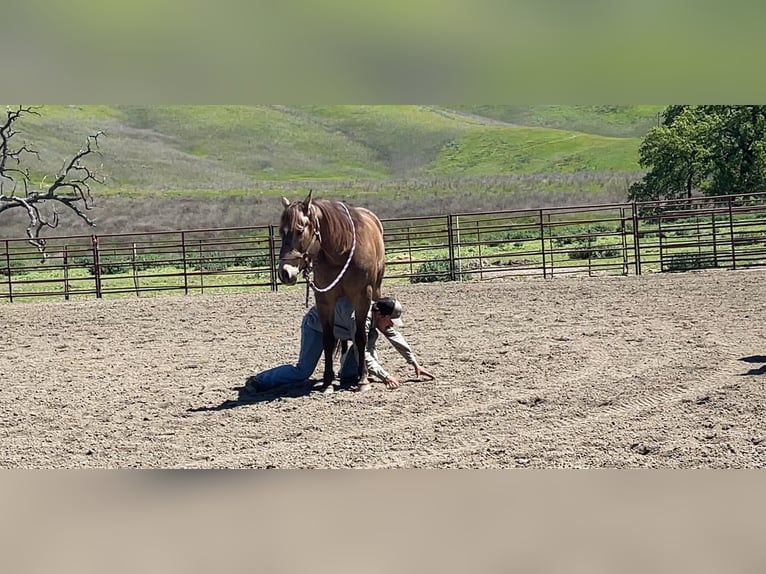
x=285 y=202
x=307 y=201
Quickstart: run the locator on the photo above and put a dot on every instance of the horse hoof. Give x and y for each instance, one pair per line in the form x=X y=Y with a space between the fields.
x=365 y=387
x=328 y=390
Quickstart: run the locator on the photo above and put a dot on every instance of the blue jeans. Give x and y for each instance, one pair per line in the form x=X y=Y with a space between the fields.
x=349 y=371
x=311 y=351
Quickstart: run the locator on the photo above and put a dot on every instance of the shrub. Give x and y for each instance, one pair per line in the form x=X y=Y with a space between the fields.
x=16 y=269
x=688 y=261
x=602 y=228
x=581 y=252
x=217 y=261
x=108 y=264
x=210 y=262
x=592 y=251
x=257 y=261
x=240 y=260
x=144 y=262
x=609 y=252
x=563 y=241
x=111 y=265
x=431 y=271
x=439 y=270
x=521 y=235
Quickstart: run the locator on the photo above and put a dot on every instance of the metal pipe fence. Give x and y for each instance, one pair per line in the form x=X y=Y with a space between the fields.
x=623 y=239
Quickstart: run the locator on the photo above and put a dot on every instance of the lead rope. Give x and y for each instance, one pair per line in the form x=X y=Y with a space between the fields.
x=308 y=269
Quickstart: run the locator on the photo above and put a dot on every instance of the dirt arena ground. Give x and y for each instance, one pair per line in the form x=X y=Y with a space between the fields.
x=663 y=370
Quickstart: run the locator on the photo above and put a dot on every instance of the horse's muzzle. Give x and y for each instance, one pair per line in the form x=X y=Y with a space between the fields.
x=288 y=274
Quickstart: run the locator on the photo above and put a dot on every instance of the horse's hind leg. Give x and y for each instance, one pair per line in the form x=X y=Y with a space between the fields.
x=362 y=308
x=361 y=343
x=376 y=293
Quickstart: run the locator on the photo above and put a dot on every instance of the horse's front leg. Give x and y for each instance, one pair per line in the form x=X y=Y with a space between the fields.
x=328 y=340
x=326 y=310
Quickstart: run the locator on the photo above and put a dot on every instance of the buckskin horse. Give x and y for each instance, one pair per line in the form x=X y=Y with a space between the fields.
x=343 y=247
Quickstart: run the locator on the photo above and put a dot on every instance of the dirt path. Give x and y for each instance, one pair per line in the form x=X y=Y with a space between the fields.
x=651 y=371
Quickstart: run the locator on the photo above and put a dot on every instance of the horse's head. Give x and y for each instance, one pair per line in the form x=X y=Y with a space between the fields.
x=299 y=229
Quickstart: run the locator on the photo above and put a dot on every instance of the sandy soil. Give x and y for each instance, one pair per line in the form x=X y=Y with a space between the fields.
x=652 y=371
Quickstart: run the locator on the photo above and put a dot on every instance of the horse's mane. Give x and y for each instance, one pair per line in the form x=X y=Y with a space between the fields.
x=336 y=229
x=289 y=219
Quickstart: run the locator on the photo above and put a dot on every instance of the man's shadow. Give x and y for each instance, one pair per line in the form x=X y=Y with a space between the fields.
x=755 y=359
x=248 y=397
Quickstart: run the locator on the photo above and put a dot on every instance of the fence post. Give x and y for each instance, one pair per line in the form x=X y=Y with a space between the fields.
x=8 y=268
x=451 y=244
x=731 y=237
x=478 y=244
x=96 y=265
x=551 y=249
x=636 y=241
x=659 y=237
x=185 y=263
x=133 y=257
x=715 y=239
x=458 y=258
x=65 y=257
x=201 y=269
x=542 y=243
x=272 y=260
x=623 y=234
x=409 y=251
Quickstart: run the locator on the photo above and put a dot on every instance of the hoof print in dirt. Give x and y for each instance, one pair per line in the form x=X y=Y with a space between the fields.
x=531 y=401
x=642 y=448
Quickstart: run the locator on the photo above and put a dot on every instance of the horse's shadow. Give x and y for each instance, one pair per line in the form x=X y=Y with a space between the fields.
x=246 y=397
x=292 y=391
x=755 y=359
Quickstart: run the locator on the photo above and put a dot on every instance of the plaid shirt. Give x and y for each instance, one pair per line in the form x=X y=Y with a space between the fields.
x=345 y=329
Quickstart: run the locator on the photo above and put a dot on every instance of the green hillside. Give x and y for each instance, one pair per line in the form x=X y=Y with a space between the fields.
x=617 y=121
x=173 y=167
x=235 y=148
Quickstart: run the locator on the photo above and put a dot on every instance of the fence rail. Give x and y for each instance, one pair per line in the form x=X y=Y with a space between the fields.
x=627 y=238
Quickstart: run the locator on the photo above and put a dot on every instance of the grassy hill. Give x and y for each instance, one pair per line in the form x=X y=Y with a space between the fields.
x=616 y=121
x=399 y=158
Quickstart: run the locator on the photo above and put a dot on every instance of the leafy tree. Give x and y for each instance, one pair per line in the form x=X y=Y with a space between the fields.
x=738 y=150
x=70 y=187
x=717 y=150
x=670 y=114
x=677 y=153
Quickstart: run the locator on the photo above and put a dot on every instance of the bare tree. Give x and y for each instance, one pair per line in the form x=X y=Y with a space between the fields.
x=70 y=188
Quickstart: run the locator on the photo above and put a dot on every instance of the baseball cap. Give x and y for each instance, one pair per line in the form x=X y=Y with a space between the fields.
x=390 y=307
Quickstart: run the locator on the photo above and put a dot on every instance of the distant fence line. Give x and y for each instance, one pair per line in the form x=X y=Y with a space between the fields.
x=624 y=238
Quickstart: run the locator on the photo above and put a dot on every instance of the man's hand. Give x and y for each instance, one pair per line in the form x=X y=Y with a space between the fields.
x=420 y=371
x=391 y=382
